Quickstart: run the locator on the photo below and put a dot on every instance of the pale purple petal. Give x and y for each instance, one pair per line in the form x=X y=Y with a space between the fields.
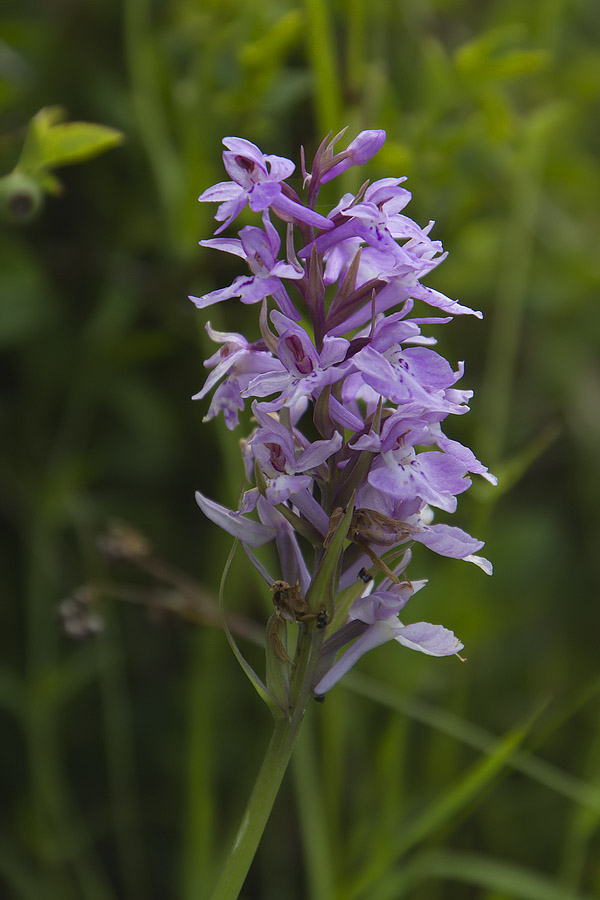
x=218 y=193
x=431 y=369
x=264 y=195
x=312 y=511
x=252 y=533
x=244 y=147
x=267 y=383
x=219 y=372
x=219 y=295
x=386 y=190
x=226 y=399
x=430 y=475
x=466 y=457
x=374 y=636
x=285 y=270
x=283 y=487
x=434 y=640
x=343 y=416
x=252 y=290
x=480 y=561
x=229 y=211
x=448 y=540
x=298 y=213
x=228 y=245
x=317 y=453
x=280 y=168
x=334 y=350
x=435 y=298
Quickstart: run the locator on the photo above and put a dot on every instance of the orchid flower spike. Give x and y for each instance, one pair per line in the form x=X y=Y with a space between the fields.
x=347 y=461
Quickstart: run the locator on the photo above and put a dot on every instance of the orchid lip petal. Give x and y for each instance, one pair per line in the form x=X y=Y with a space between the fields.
x=433 y=640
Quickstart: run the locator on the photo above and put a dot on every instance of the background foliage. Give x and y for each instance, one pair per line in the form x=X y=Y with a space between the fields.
x=126 y=758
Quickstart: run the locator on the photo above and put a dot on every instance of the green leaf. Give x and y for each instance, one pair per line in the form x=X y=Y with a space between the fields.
x=75 y=142
x=321 y=590
x=254 y=679
x=300 y=525
x=51 y=143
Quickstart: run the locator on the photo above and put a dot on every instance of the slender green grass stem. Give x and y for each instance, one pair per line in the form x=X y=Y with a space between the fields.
x=323 y=55
x=273 y=769
x=145 y=91
x=318 y=857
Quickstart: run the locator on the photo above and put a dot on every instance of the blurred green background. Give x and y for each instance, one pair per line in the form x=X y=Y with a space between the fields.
x=126 y=758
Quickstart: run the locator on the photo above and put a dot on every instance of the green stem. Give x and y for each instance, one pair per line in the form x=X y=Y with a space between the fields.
x=322 y=57
x=272 y=770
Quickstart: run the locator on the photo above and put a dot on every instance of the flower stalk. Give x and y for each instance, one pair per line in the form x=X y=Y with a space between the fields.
x=273 y=768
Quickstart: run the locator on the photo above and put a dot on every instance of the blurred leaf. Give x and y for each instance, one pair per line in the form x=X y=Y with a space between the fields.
x=271 y=46
x=51 y=143
x=487 y=58
x=58 y=684
x=25 y=305
x=498 y=114
x=12 y=692
x=510 y=472
x=546 y=119
x=396 y=156
x=448 y=804
x=585 y=795
x=504 y=878
x=25 y=883
x=49 y=183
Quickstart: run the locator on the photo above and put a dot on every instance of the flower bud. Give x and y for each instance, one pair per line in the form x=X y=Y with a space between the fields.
x=21 y=198
x=364 y=146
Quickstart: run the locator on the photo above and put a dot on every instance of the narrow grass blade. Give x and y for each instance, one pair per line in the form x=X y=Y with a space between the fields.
x=313 y=824
x=569 y=786
x=449 y=804
x=503 y=879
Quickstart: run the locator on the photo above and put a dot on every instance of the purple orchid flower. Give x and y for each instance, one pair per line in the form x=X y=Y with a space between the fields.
x=305 y=372
x=256 y=181
x=284 y=458
x=348 y=399
x=378 y=612
x=259 y=248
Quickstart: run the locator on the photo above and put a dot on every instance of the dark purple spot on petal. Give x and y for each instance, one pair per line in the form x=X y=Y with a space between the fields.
x=277 y=456
x=303 y=363
x=245 y=163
